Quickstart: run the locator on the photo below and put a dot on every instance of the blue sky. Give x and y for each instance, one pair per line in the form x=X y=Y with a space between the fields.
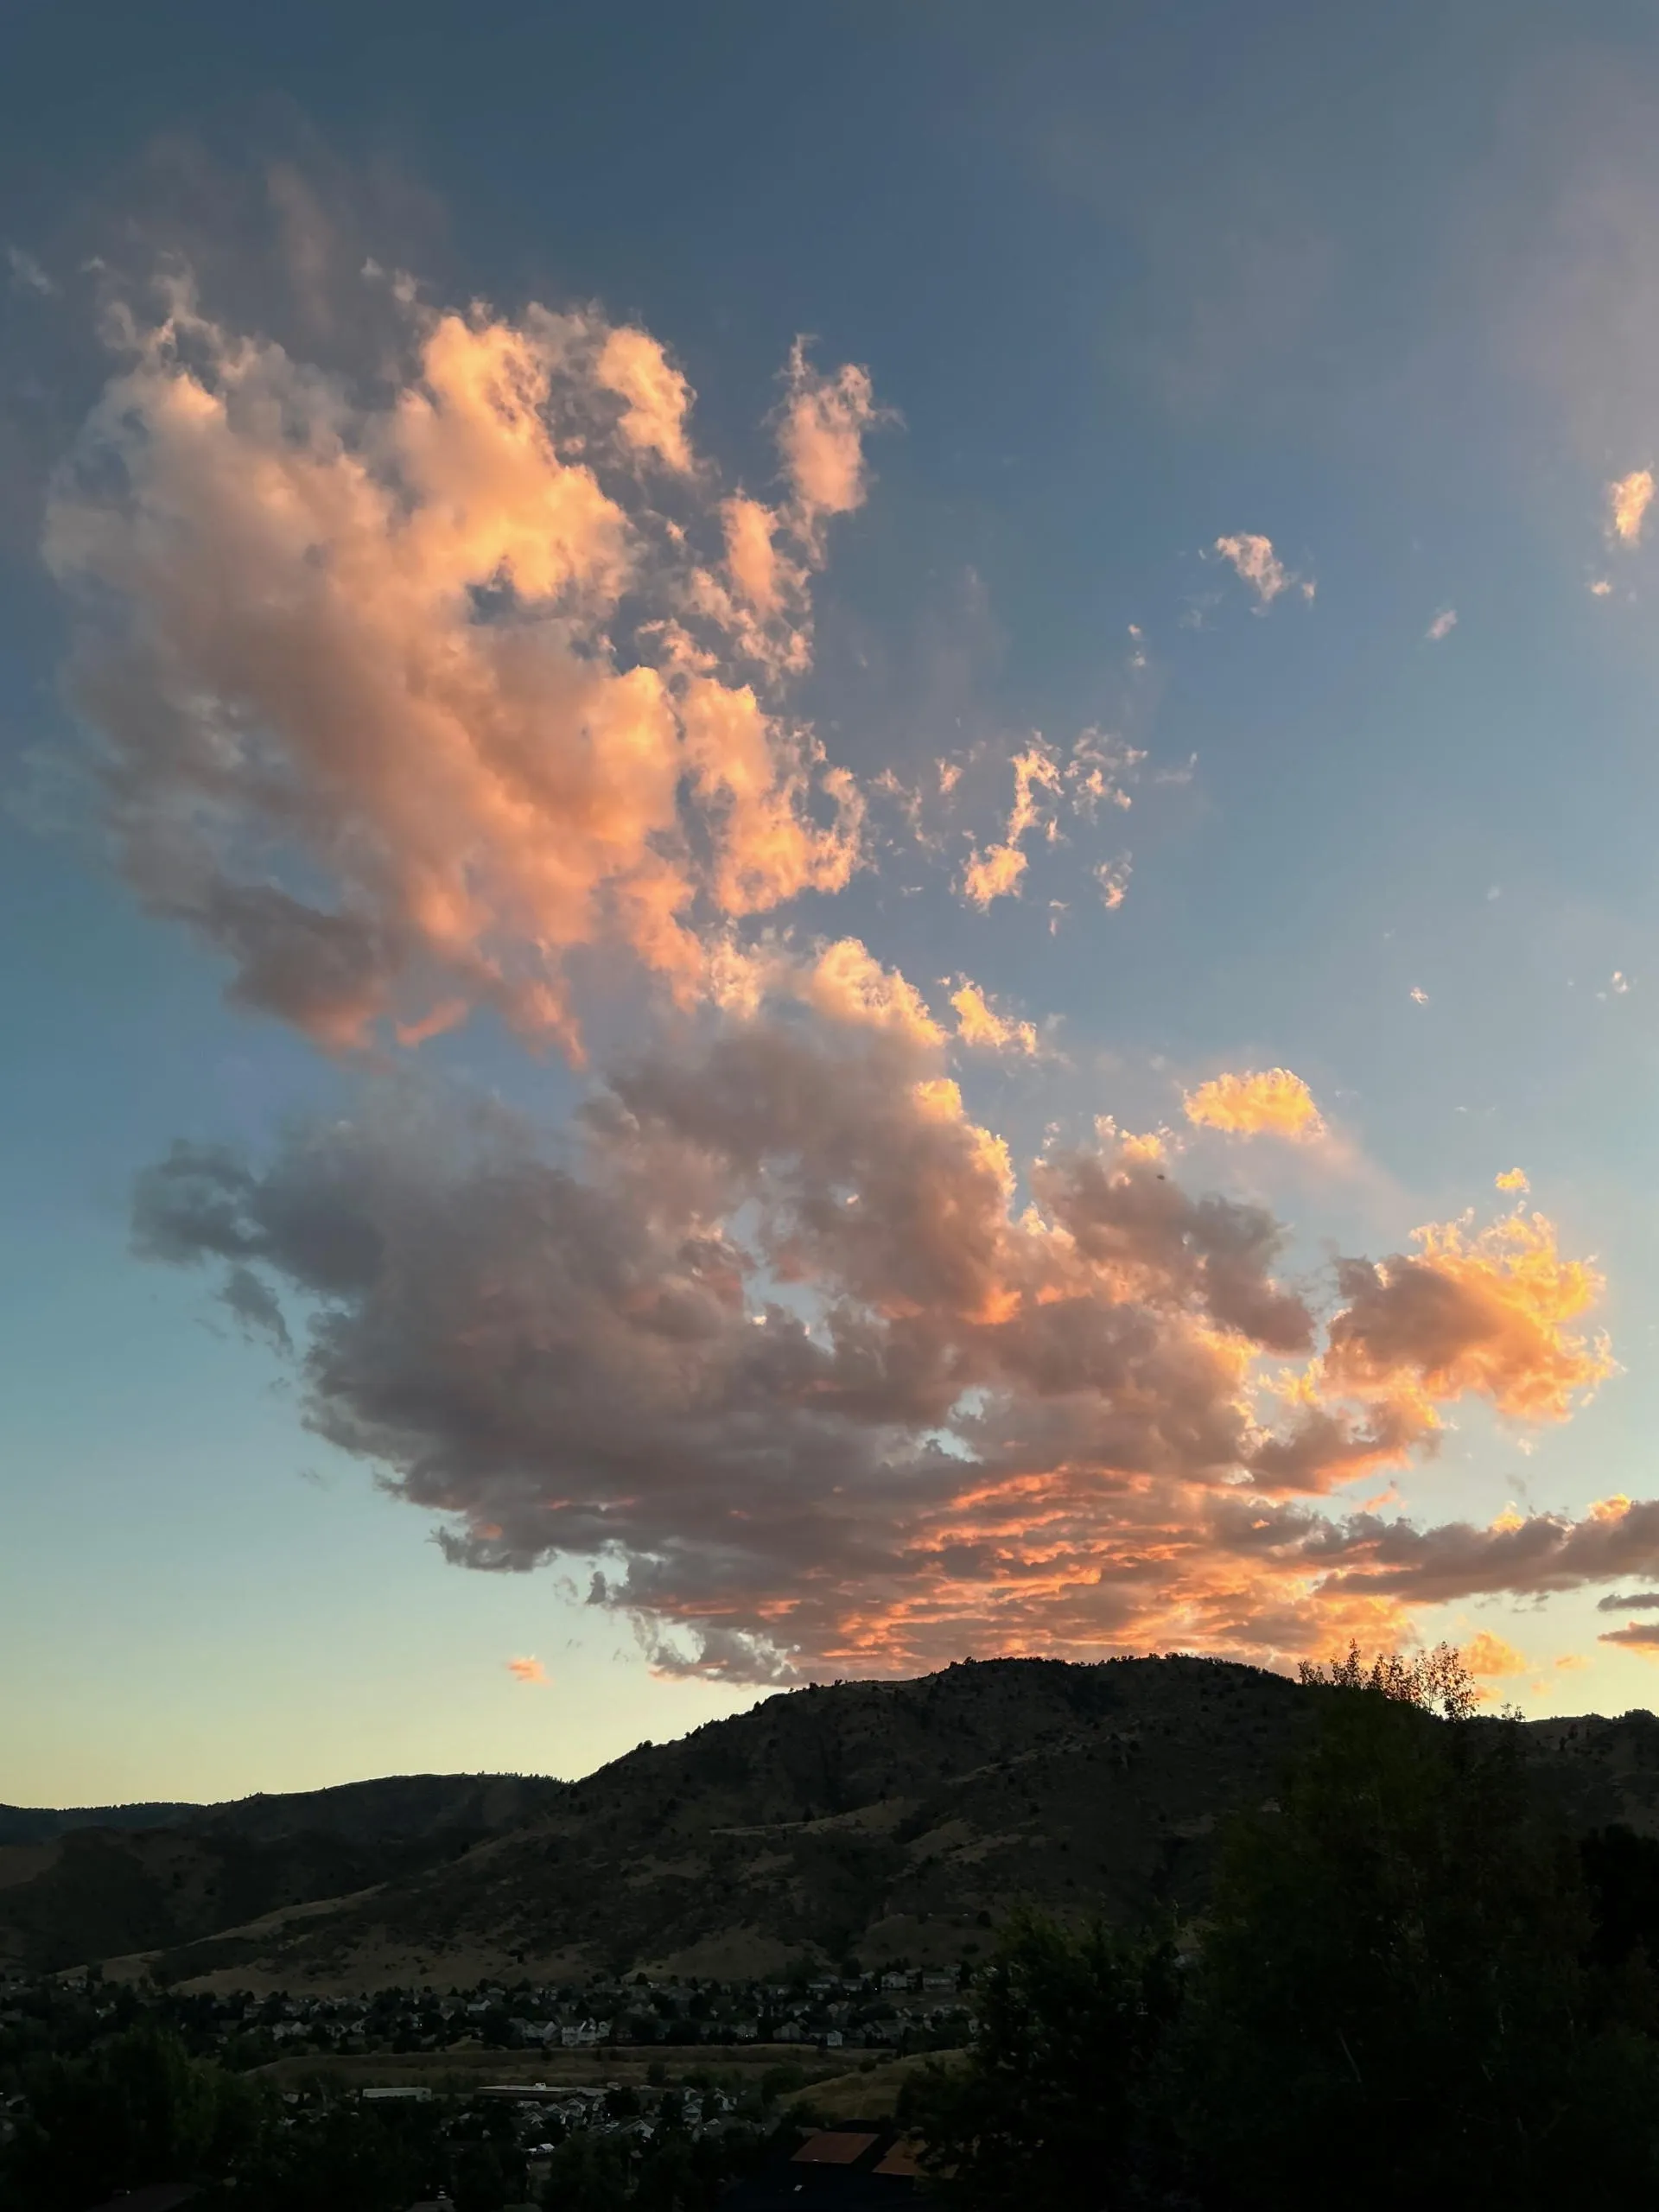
x=1126 y=284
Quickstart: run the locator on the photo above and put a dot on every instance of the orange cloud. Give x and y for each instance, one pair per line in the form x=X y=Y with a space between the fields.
x=412 y=699
x=752 y=554
x=1113 y=877
x=658 y=398
x=1490 y=1656
x=1627 y=501
x=527 y=1670
x=1488 y=1313
x=1272 y=1102
x=821 y=436
x=1046 y=785
x=1512 y=1178
x=979 y=1023
x=995 y=873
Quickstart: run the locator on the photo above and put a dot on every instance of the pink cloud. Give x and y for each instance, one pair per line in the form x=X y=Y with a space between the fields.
x=411 y=699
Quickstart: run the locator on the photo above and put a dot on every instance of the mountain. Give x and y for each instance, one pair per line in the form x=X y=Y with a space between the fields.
x=105 y=1882
x=884 y=1820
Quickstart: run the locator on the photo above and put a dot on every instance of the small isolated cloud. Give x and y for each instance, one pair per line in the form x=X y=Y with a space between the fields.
x=821 y=436
x=1260 y=567
x=1572 y=1661
x=1627 y=501
x=527 y=1670
x=1418 y=995
x=979 y=1023
x=1489 y=1655
x=1270 y=1102
x=1619 y=982
x=1113 y=877
x=1512 y=1178
x=27 y=274
x=1629 y=1602
x=1599 y=587
x=1443 y=624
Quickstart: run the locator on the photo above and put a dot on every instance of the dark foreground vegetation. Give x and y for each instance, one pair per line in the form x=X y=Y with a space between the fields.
x=1409 y=1987
x=139 y=2109
x=1411 y=1983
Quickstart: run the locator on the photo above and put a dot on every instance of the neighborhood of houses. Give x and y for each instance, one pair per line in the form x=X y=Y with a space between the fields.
x=626 y=2063
x=897 y=2010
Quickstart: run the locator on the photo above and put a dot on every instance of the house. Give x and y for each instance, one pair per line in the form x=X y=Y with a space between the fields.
x=855 y=2167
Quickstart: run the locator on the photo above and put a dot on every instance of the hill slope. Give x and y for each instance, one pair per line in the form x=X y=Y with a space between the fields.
x=97 y=1884
x=885 y=1818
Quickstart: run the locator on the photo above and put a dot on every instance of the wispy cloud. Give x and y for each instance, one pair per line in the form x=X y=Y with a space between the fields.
x=1260 y=567
x=27 y=274
x=527 y=1670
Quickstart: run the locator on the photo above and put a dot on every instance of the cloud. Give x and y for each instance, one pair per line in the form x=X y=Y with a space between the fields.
x=466 y=688
x=411 y=700
x=1418 y=995
x=1487 y=1655
x=979 y=1023
x=1626 y=1601
x=1639 y=1636
x=256 y=1307
x=1443 y=624
x=527 y=1670
x=783 y=1355
x=1273 y=1102
x=657 y=397
x=996 y=872
x=1259 y=566
x=1488 y=1311
x=1093 y=775
x=821 y=438
x=1627 y=501
x=1512 y=1178
x=27 y=274
x=1113 y=878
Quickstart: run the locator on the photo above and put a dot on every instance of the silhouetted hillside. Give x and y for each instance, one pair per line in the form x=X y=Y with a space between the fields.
x=104 y=1882
x=882 y=1820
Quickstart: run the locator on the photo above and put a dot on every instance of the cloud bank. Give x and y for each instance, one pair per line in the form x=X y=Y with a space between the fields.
x=781 y=1356
x=471 y=689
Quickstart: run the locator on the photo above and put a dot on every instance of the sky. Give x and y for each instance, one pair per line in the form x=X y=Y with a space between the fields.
x=827 y=841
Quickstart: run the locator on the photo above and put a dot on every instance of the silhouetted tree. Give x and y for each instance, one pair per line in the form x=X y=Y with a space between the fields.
x=1058 y=2104
x=138 y=2110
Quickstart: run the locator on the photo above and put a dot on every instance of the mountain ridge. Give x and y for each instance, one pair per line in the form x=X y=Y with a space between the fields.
x=880 y=1820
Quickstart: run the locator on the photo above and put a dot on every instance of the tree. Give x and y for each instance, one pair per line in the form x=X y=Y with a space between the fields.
x=1436 y=1680
x=1392 y=1985
x=137 y=2111
x=350 y=2157
x=1057 y=2104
